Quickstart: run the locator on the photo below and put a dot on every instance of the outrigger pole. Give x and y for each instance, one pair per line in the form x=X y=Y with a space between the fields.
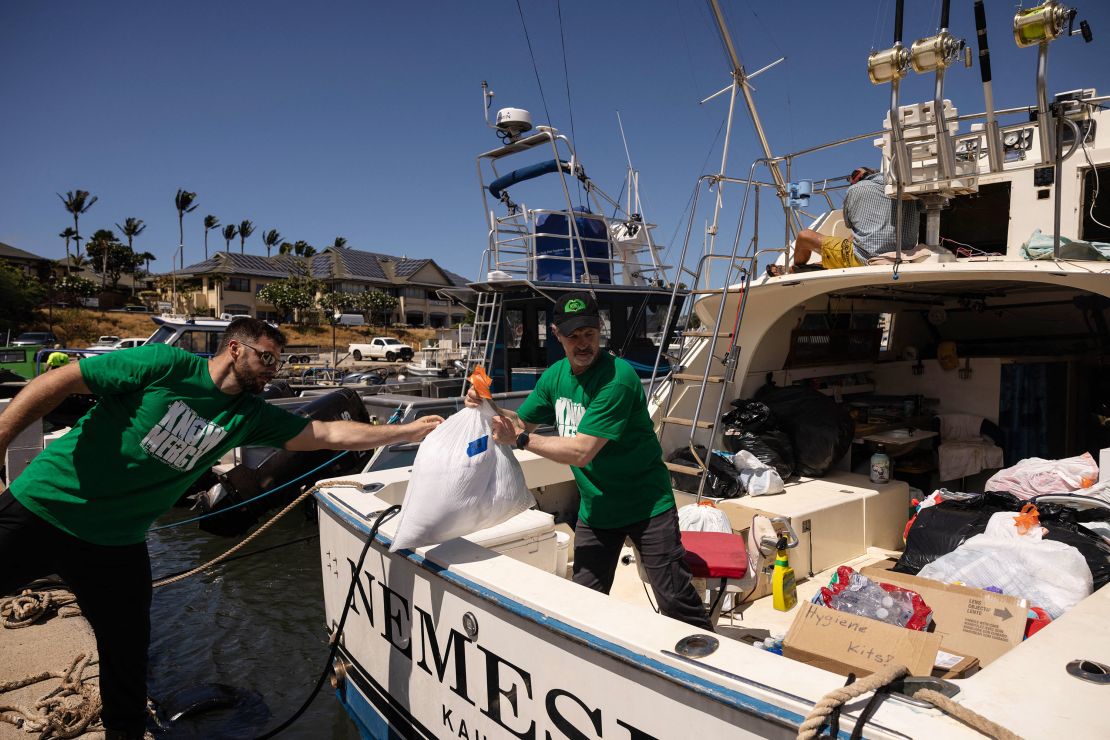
x=740 y=82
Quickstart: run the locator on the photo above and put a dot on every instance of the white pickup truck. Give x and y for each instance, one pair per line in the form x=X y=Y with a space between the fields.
x=381 y=348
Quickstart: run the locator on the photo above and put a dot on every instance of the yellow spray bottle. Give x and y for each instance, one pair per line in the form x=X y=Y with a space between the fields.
x=784 y=592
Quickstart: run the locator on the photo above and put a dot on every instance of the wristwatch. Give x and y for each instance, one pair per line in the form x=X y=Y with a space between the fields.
x=522 y=440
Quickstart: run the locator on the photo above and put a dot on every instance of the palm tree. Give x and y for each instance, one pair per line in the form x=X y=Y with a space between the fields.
x=246 y=228
x=131 y=228
x=271 y=239
x=184 y=202
x=305 y=251
x=229 y=233
x=146 y=257
x=68 y=234
x=210 y=222
x=340 y=243
x=77 y=202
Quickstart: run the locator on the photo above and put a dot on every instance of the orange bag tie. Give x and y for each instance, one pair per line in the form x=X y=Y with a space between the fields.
x=1028 y=518
x=481 y=382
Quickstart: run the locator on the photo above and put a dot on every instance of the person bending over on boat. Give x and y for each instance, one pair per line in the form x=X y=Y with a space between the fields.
x=870 y=215
x=56 y=359
x=83 y=506
x=597 y=403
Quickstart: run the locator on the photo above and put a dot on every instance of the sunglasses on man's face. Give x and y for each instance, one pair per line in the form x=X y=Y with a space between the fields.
x=267 y=357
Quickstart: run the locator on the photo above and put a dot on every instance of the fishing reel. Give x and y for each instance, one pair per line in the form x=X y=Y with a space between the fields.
x=1046 y=23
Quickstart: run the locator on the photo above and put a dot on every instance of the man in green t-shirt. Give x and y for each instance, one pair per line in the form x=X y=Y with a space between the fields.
x=597 y=404
x=164 y=416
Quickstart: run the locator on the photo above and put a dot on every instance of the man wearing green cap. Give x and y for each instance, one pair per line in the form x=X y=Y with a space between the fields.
x=597 y=404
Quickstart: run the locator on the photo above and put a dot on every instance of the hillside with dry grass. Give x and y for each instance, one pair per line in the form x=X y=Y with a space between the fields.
x=81 y=327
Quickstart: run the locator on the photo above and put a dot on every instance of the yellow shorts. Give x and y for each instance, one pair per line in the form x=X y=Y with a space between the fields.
x=837 y=252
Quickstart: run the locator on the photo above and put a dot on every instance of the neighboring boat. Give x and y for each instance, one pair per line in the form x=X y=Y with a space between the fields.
x=485 y=637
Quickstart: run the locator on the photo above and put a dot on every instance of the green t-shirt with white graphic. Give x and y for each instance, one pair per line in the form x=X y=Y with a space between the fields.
x=626 y=481
x=159 y=424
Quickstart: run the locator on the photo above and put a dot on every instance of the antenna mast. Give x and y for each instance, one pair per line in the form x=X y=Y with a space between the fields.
x=740 y=82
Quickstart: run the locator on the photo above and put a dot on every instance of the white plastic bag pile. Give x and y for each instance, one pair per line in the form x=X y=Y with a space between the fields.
x=462 y=481
x=1034 y=476
x=1049 y=574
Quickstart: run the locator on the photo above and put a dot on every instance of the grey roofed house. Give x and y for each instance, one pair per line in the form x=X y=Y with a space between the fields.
x=29 y=263
x=414 y=282
x=332 y=264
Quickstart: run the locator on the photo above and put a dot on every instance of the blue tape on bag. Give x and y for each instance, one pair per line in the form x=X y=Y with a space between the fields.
x=478 y=446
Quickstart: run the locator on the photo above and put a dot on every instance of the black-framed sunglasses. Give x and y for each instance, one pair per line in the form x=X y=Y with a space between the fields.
x=266 y=356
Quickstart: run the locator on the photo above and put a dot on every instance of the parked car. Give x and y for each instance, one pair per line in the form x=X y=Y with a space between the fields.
x=129 y=342
x=108 y=340
x=130 y=309
x=381 y=348
x=32 y=338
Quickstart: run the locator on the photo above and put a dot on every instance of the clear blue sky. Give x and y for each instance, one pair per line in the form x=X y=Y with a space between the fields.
x=363 y=119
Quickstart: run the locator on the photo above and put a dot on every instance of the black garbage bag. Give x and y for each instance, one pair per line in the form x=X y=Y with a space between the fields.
x=771 y=446
x=940 y=529
x=819 y=428
x=723 y=480
x=749 y=416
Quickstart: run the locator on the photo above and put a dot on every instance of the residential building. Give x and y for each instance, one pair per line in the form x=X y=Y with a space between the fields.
x=229 y=282
x=26 y=262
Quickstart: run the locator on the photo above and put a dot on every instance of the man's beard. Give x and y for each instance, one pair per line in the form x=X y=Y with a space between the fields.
x=249 y=381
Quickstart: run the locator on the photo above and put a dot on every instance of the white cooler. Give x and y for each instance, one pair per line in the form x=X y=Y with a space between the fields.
x=528 y=537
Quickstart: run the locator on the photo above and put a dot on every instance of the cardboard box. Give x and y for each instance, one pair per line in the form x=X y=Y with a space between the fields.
x=949 y=665
x=970 y=621
x=845 y=643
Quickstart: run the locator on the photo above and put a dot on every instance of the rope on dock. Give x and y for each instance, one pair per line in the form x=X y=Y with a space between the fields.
x=220 y=558
x=65 y=712
x=836 y=698
x=29 y=606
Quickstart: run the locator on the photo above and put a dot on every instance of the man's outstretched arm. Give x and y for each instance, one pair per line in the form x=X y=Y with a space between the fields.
x=41 y=396
x=353 y=435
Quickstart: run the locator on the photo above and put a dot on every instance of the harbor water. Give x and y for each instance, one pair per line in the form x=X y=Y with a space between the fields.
x=255 y=623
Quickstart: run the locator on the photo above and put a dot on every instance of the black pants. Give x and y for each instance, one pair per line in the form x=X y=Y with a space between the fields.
x=659 y=544
x=112 y=586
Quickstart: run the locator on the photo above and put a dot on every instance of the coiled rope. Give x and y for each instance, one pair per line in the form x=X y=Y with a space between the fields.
x=17 y=612
x=67 y=711
x=818 y=717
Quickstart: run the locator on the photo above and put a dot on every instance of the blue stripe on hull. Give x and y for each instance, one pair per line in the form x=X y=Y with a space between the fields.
x=726 y=696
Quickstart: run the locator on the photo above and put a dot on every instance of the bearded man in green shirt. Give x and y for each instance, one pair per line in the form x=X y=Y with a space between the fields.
x=164 y=416
x=597 y=404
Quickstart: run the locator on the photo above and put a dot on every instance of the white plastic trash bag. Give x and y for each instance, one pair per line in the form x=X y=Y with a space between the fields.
x=462 y=481
x=703 y=517
x=1034 y=475
x=1049 y=574
x=758 y=478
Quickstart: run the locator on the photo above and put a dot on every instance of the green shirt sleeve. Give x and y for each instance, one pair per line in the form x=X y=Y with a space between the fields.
x=124 y=371
x=537 y=407
x=609 y=411
x=274 y=426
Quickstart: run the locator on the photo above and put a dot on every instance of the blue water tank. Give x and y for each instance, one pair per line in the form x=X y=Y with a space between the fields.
x=553 y=241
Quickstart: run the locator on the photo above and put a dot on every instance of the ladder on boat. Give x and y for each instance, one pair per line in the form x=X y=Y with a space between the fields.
x=487 y=320
x=722 y=355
